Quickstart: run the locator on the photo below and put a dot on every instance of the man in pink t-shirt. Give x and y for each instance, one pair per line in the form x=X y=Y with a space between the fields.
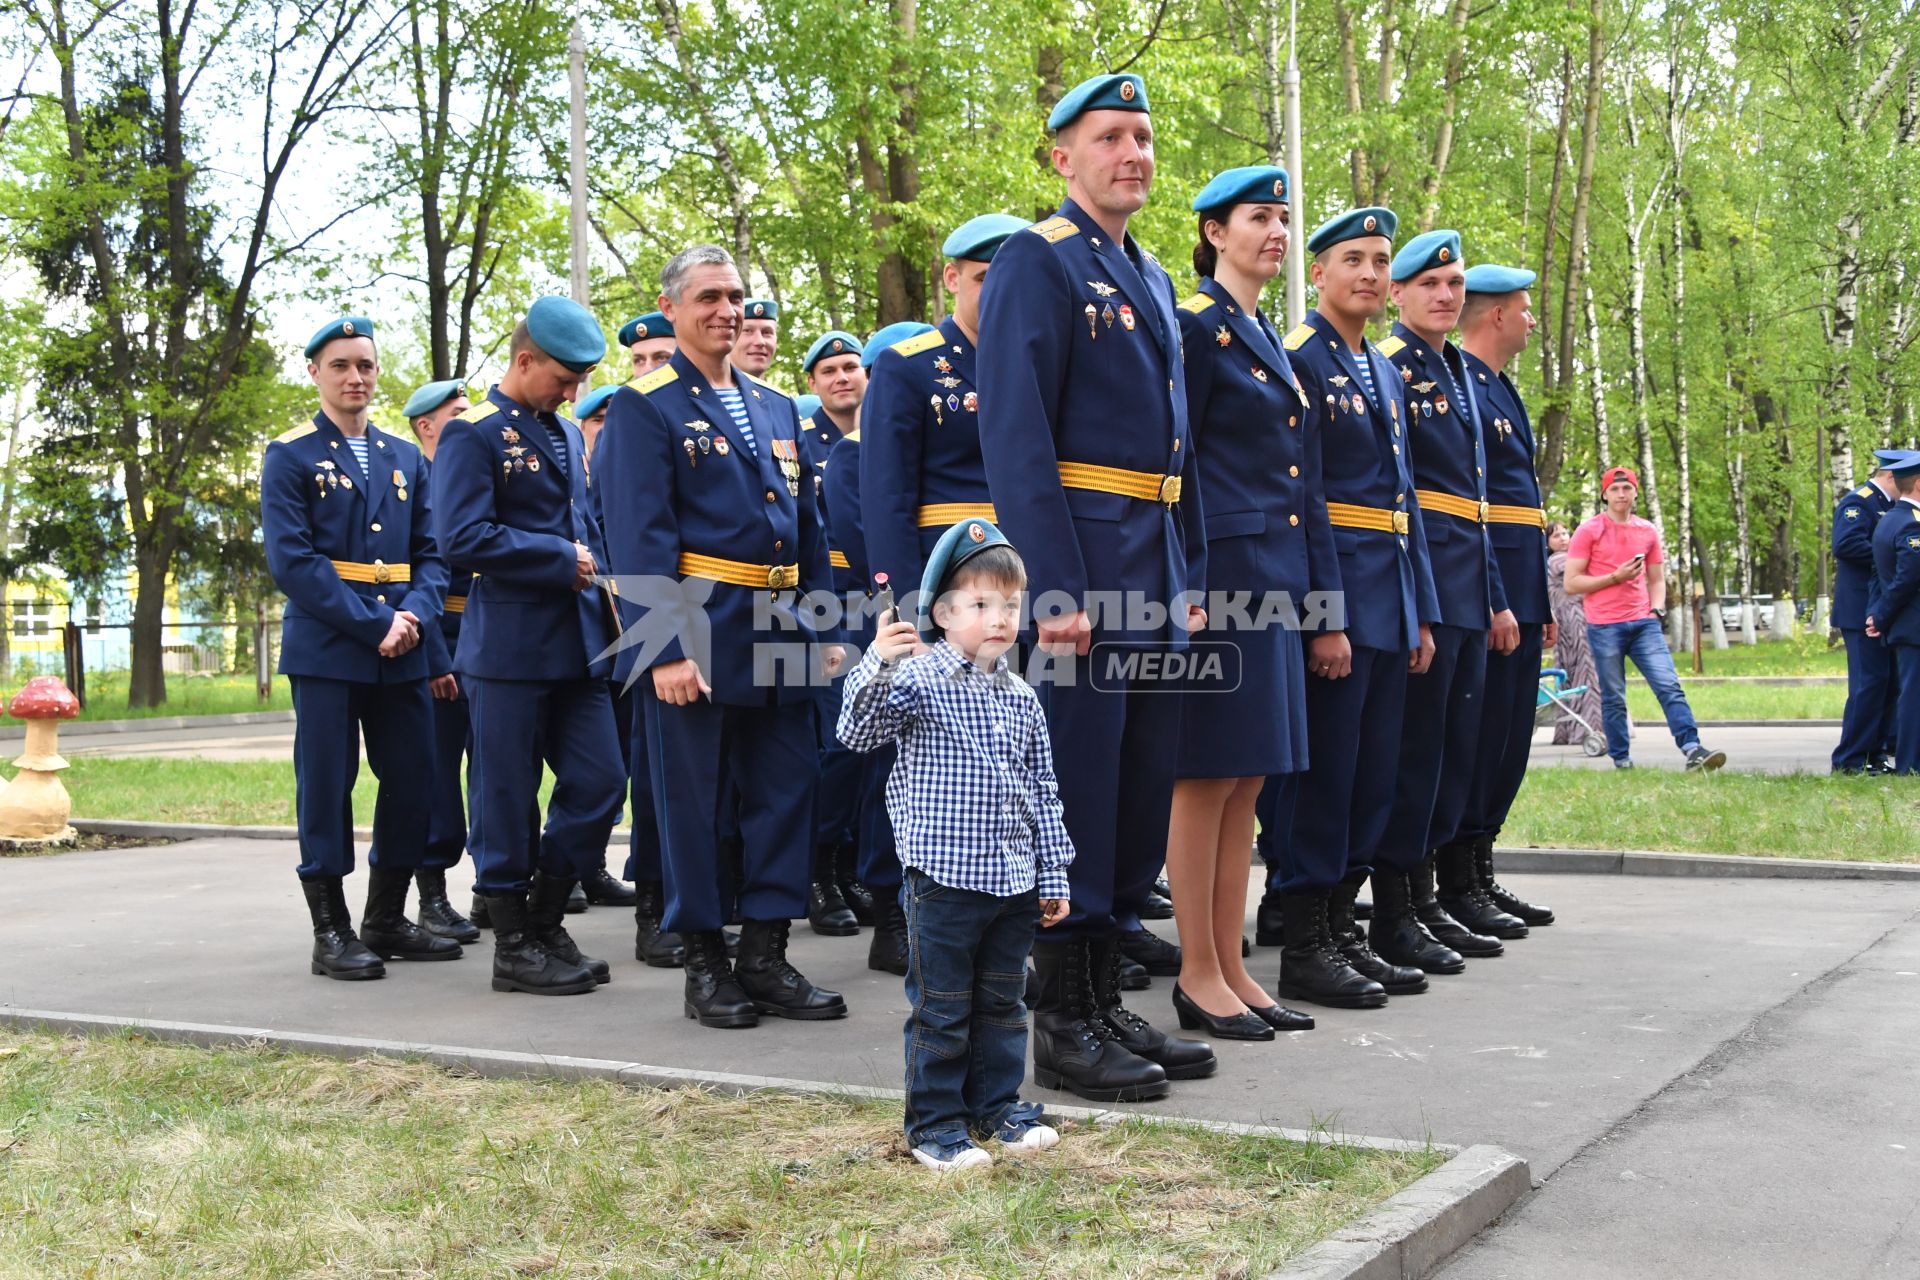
x=1616 y=564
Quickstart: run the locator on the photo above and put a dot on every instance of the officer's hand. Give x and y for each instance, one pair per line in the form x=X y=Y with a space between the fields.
x=1873 y=630
x=583 y=567
x=832 y=658
x=1072 y=633
x=402 y=634
x=679 y=684
x=1196 y=618
x=1420 y=659
x=1551 y=636
x=1504 y=636
x=1330 y=655
x=443 y=687
x=896 y=640
x=1053 y=911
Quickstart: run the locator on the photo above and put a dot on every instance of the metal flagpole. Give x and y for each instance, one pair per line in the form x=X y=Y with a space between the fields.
x=1297 y=255
x=577 y=52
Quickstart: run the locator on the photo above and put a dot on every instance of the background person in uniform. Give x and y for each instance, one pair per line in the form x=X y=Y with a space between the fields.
x=349 y=540
x=759 y=337
x=1265 y=519
x=1616 y=565
x=1084 y=434
x=649 y=339
x=510 y=484
x=1893 y=617
x=1866 y=726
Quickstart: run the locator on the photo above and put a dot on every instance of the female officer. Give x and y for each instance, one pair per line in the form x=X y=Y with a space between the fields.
x=1247 y=718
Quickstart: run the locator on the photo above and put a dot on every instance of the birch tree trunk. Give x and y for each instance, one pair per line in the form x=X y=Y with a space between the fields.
x=1682 y=441
x=1443 y=131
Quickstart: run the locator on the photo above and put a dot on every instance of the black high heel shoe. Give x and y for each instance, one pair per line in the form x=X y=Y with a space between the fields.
x=1281 y=1018
x=1240 y=1026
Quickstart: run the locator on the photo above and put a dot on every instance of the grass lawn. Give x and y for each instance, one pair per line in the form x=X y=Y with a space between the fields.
x=1743 y=702
x=186 y=696
x=1804 y=655
x=130 y=1157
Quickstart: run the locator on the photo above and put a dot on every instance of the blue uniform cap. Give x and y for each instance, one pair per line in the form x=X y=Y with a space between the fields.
x=1487 y=278
x=957 y=545
x=760 y=309
x=834 y=342
x=1352 y=225
x=344 y=327
x=1424 y=252
x=1905 y=468
x=595 y=401
x=806 y=406
x=887 y=335
x=976 y=239
x=650 y=325
x=432 y=396
x=1249 y=184
x=567 y=332
x=1124 y=92
x=1891 y=457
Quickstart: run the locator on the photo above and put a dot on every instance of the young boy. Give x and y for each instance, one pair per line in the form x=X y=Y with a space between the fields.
x=976 y=816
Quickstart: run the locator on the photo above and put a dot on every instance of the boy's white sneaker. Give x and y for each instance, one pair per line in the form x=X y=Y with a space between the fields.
x=1027 y=1136
x=951 y=1157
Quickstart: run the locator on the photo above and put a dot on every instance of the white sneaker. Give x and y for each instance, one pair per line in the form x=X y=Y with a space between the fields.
x=943 y=1157
x=1028 y=1137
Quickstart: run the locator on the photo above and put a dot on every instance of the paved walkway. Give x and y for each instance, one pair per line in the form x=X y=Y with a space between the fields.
x=1713 y=1076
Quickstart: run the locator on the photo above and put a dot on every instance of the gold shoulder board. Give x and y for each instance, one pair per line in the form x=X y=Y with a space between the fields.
x=919 y=342
x=1197 y=303
x=1393 y=345
x=297 y=433
x=1298 y=337
x=806 y=423
x=1864 y=491
x=1055 y=229
x=853 y=435
x=480 y=411
x=654 y=381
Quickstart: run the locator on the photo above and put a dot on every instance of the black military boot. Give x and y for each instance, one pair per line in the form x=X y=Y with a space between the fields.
x=827 y=911
x=1447 y=931
x=385 y=927
x=337 y=951
x=1270 y=921
x=1461 y=897
x=1150 y=951
x=603 y=890
x=859 y=899
x=438 y=915
x=888 y=951
x=1311 y=969
x=546 y=907
x=1180 y=1059
x=477 y=912
x=1396 y=933
x=1363 y=909
x=1072 y=1049
x=652 y=945
x=520 y=963
x=775 y=986
x=1534 y=914
x=576 y=900
x=1352 y=944
x=713 y=994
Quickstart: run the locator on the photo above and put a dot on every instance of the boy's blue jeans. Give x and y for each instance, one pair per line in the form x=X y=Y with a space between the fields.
x=1612 y=644
x=966 y=1031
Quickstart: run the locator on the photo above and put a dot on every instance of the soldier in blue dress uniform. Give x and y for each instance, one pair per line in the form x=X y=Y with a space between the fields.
x=759 y=337
x=650 y=340
x=1374 y=634
x=1494 y=327
x=350 y=542
x=1440 y=721
x=1893 y=612
x=1083 y=430
x=510 y=488
x=1266 y=518
x=1866 y=728
x=716 y=530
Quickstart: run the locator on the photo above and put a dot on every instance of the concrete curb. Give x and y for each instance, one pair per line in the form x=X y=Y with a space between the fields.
x=1636 y=862
x=87 y=728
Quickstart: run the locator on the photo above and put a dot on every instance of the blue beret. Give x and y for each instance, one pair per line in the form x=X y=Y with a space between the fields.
x=887 y=335
x=1424 y=252
x=957 y=545
x=650 y=325
x=761 y=309
x=1487 y=278
x=1352 y=225
x=1101 y=93
x=567 y=332
x=344 y=327
x=1249 y=184
x=432 y=396
x=976 y=239
x=834 y=342
x=595 y=401
x=806 y=406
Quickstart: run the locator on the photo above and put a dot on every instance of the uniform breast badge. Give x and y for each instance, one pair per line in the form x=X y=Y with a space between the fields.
x=970 y=402
x=788 y=455
x=949 y=383
x=1126 y=317
x=1259 y=373
x=1222 y=337
x=1093 y=321
x=720 y=446
x=1102 y=288
x=938 y=418
x=400 y=484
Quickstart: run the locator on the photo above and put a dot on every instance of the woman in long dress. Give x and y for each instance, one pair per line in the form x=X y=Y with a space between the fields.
x=1570 y=654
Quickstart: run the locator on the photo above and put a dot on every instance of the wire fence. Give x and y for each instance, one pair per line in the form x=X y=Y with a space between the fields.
x=51 y=638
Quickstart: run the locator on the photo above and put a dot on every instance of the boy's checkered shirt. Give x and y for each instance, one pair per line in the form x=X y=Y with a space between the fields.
x=972 y=795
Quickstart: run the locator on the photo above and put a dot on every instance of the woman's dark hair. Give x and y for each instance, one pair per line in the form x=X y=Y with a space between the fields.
x=1205 y=257
x=1561 y=525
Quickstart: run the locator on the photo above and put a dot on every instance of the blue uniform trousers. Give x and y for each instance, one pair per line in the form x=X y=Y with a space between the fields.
x=836 y=814
x=447 y=829
x=329 y=718
x=1906 y=662
x=518 y=725
x=1353 y=740
x=643 y=840
x=1439 y=735
x=1506 y=734
x=1273 y=818
x=1864 y=727
x=773 y=753
x=1114 y=750
x=879 y=860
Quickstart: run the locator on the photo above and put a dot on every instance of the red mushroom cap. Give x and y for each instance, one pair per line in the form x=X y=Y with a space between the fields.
x=44 y=698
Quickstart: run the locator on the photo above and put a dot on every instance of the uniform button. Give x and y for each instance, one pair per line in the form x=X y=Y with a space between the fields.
x=1293 y=419
x=1176 y=446
x=1293 y=519
x=777 y=544
x=1399 y=497
x=1293 y=471
x=1480 y=470
x=376 y=526
x=381 y=599
x=770 y=497
x=1396 y=451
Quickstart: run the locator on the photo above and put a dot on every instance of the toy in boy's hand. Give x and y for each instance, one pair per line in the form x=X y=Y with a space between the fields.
x=884 y=611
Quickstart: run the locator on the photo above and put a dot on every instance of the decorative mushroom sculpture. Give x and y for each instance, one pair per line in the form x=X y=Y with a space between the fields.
x=35 y=806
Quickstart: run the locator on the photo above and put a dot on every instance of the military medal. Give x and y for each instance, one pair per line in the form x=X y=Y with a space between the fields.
x=1440 y=404
x=1407 y=374
x=346 y=482
x=533 y=463
x=971 y=402
x=942 y=365
x=1102 y=288
x=1222 y=337
x=1126 y=317
x=1259 y=373
x=1093 y=320
x=720 y=445
x=510 y=435
x=1359 y=404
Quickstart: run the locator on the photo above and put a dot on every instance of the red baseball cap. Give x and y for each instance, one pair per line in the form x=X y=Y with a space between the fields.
x=1616 y=474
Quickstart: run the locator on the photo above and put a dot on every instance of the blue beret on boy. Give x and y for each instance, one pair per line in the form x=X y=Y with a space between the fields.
x=1124 y=92
x=762 y=309
x=976 y=239
x=1424 y=252
x=432 y=396
x=595 y=401
x=834 y=342
x=1353 y=225
x=344 y=327
x=887 y=335
x=1485 y=277
x=567 y=332
x=1249 y=184
x=650 y=325
x=957 y=545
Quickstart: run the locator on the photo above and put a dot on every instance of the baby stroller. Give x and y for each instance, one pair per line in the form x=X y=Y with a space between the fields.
x=1555 y=700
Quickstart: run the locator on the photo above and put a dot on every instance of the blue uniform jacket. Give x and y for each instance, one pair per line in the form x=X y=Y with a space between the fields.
x=508 y=512
x=316 y=507
x=1506 y=433
x=1854 y=521
x=920 y=447
x=1385 y=577
x=1448 y=457
x=840 y=495
x=667 y=496
x=1080 y=363
x=1896 y=565
x=1258 y=450
x=443 y=641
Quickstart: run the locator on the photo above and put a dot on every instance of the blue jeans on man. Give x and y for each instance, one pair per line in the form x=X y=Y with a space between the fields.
x=1612 y=644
